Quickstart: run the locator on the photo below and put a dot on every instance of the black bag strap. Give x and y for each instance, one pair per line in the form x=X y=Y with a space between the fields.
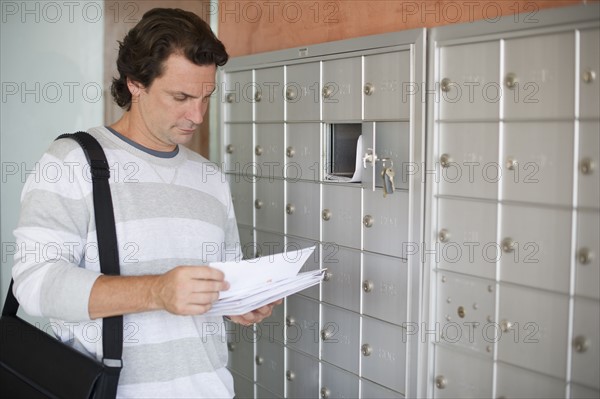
x=108 y=251
x=11 y=305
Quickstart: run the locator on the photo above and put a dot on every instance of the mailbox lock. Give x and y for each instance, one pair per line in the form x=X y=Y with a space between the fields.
x=290 y=375
x=290 y=152
x=369 y=157
x=289 y=209
x=230 y=97
x=586 y=166
x=580 y=343
x=506 y=325
x=508 y=244
x=258 y=150
x=461 y=312
x=369 y=89
x=326 y=214
x=588 y=76
x=259 y=360
x=368 y=221
x=327 y=91
x=511 y=80
x=229 y=149
x=511 y=164
x=584 y=256
x=230 y=346
x=325 y=392
x=441 y=382
x=445 y=160
x=366 y=350
x=327 y=276
x=290 y=321
x=258 y=96
x=368 y=286
x=325 y=334
x=444 y=235
x=291 y=93
x=258 y=204
x=445 y=85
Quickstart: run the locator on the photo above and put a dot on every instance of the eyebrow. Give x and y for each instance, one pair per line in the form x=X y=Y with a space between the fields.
x=189 y=95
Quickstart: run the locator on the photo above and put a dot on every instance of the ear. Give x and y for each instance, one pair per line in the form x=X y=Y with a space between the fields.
x=135 y=88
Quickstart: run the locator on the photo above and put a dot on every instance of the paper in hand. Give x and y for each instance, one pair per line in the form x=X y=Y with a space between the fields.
x=258 y=282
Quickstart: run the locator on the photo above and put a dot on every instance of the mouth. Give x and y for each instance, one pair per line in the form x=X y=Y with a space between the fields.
x=188 y=131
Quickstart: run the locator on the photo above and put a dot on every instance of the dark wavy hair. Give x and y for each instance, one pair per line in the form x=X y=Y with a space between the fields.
x=160 y=33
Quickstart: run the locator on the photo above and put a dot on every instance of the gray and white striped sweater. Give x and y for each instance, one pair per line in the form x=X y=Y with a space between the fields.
x=169 y=211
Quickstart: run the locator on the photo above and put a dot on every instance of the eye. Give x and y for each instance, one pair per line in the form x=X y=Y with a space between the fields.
x=180 y=97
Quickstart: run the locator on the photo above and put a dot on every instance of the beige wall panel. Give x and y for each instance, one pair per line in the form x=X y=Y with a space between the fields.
x=256 y=26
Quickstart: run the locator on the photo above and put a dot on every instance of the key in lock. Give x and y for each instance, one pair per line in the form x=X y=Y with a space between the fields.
x=387 y=174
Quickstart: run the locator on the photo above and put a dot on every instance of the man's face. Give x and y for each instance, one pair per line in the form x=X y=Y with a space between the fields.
x=171 y=109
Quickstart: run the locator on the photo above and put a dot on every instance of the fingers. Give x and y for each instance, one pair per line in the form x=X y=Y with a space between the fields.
x=199 y=286
x=206 y=273
x=245 y=320
x=188 y=290
x=264 y=311
x=204 y=278
x=257 y=315
x=203 y=298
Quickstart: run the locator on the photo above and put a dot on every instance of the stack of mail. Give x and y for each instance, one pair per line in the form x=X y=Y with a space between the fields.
x=258 y=282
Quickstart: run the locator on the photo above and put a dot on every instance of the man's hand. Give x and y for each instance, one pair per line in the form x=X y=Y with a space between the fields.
x=257 y=315
x=188 y=290
x=184 y=290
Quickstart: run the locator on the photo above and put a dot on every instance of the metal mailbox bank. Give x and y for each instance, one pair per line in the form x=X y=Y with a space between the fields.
x=449 y=178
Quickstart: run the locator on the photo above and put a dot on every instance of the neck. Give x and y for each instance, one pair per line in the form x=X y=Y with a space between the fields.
x=135 y=130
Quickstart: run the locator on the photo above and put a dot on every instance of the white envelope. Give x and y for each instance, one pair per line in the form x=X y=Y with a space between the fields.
x=258 y=282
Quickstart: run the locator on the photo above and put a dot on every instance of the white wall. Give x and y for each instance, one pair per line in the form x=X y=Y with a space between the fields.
x=51 y=83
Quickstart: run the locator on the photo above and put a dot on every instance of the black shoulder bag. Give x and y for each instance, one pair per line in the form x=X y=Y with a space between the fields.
x=35 y=365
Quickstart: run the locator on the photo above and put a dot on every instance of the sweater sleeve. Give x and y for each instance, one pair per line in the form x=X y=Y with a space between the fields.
x=51 y=238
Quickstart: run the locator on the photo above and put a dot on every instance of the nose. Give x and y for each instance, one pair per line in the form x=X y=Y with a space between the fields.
x=196 y=112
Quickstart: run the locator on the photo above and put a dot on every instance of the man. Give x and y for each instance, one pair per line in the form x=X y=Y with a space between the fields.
x=173 y=215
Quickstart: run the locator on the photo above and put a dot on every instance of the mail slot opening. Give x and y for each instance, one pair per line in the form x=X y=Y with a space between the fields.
x=343 y=140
